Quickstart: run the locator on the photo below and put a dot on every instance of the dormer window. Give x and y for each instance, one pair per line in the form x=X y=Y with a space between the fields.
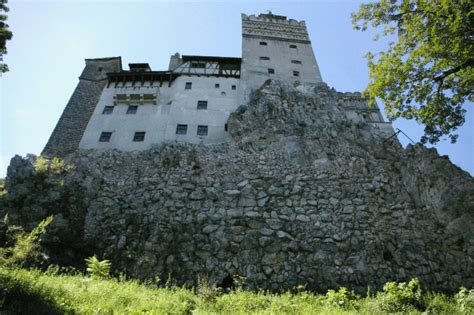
x=198 y=65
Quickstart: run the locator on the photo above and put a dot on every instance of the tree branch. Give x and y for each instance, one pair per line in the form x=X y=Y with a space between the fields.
x=442 y=76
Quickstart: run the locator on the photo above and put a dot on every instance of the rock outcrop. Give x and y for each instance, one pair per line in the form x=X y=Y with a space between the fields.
x=303 y=196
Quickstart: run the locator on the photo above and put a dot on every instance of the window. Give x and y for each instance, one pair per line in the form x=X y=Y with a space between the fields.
x=271 y=71
x=202 y=131
x=217 y=85
x=296 y=62
x=108 y=110
x=181 y=129
x=226 y=127
x=199 y=65
x=293 y=46
x=264 y=58
x=139 y=136
x=188 y=86
x=132 y=109
x=234 y=87
x=263 y=43
x=223 y=93
x=105 y=137
x=202 y=105
x=99 y=69
x=296 y=73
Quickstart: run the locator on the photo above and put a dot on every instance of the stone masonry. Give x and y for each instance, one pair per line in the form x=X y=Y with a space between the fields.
x=303 y=195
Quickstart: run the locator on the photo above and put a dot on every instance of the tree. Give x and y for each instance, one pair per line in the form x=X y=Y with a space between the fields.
x=5 y=34
x=427 y=73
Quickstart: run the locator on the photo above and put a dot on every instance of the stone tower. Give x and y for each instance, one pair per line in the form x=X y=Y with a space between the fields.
x=71 y=125
x=274 y=47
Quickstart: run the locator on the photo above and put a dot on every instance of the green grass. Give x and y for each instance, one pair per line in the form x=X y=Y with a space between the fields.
x=33 y=291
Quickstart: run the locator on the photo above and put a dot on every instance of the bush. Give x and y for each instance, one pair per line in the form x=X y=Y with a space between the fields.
x=465 y=300
x=98 y=269
x=341 y=298
x=25 y=245
x=400 y=297
x=207 y=292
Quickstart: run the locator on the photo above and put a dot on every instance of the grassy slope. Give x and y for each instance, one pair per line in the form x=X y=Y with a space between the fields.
x=24 y=291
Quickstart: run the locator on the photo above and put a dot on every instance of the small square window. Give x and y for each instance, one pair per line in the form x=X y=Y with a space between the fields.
x=217 y=85
x=293 y=46
x=264 y=58
x=131 y=110
x=296 y=62
x=108 y=110
x=105 y=137
x=99 y=69
x=181 y=129
x=202 y=105
x=271 y=71
x=188 y=86
x=234 y=87
x=139 y=136
x=296 y=73
x=202 y=130
x=263 y=43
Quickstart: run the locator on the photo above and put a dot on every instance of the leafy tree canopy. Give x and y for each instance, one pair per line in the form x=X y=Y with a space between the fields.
x=5 y=34
x=427 y=73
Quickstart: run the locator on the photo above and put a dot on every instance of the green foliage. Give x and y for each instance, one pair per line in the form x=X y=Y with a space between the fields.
x=5 y=33
x=207 y=292
x=341 y=298
x=427 y=73
x=401 y=297
x=66 y=293
x=56 y=166
x=98 y=269
x=465 y=300
x=26 y=245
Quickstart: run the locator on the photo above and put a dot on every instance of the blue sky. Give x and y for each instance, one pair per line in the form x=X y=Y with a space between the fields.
x=52 y=38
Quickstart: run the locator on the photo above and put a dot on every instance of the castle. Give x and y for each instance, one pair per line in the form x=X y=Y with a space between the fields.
x=129 y=110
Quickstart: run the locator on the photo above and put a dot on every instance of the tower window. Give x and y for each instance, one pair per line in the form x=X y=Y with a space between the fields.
x=99 y=69
x=296 y=62
x=202 y=105
x=296 y=73
x=108 y=110
x=181 y=129
x=105 y=137
x=234 y=87
x=188 y=86
x=263 y=43
x=226 y=127
x=293 y=46
x=264 y=58
x=217 y=85
x=202 y=130
x=139 y=136
x=271 y=71
x=131 y=110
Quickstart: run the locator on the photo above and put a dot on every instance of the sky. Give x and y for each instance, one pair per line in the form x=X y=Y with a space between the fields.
x=52 y=38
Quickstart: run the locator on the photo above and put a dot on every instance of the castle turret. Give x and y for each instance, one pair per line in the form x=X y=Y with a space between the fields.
x=274 y=47
x=71 y=125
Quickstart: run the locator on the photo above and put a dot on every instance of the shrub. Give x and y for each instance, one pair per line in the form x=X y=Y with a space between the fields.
x=206 y=291
x=400 y=297
x=465 y=300
x=26 y=245
x=341 y=298
x=437 y=303
x=98 y=269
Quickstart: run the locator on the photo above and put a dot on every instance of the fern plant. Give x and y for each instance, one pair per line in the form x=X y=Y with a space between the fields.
x=98 y=269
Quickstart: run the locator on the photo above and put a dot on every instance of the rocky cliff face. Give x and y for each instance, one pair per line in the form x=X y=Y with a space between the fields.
x=303 y=196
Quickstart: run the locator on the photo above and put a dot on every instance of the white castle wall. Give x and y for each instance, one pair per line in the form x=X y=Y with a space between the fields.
x=159 y=121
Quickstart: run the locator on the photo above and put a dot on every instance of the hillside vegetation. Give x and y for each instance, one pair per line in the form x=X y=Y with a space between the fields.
x=59 y=292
